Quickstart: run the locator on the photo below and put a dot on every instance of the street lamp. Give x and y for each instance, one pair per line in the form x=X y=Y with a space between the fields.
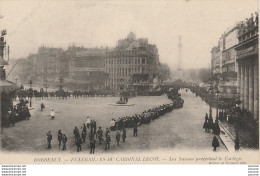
x=210 y=91
x=217 y=92
x=46 y=85
x=30 y=93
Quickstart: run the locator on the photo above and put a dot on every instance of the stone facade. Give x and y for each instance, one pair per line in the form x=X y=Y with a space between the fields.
x=134 y=63
x=248 y=68
x=223 y=63
x=87 y=69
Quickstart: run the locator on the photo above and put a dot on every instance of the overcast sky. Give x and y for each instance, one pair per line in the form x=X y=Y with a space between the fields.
x=94 y=24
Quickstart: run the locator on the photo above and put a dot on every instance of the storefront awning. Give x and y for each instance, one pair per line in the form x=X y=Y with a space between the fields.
x=7 y=86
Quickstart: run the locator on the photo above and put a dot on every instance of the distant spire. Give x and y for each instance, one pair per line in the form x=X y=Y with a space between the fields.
x=179 y=67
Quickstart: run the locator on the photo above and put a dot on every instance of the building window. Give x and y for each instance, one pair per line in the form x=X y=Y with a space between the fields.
x=143 y=60
x=143 y=69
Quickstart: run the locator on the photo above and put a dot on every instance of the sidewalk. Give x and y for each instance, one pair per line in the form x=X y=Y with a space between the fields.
x=225 y=138
x=228 y=135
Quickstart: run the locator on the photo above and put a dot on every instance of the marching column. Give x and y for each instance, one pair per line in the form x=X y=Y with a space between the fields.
x=246 y=90
x=242 y=85
x=251 y=88
x=256 y=90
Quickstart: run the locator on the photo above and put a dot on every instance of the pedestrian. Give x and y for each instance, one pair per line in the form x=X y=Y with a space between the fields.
x=88 y=121
x=27 y=113
x=42 y=107
x=83 y=135
x=108 y=141
x=92 y=145
x=76 y=132
x=59 y=138
x=124 y=134
x=49 y=138
x=107 y=132
x=206 y=125
x=118 y=136
x=206 y=117
x=91 y=135
x=84 y=128
x=78 y=143
x=100 y=135
x=135 y=129
x=64 y=141
x=94 y=126
x=215 y=143
x=52 y=114
x=216 y=129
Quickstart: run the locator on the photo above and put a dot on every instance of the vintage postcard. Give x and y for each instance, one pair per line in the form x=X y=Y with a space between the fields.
x=129 y=82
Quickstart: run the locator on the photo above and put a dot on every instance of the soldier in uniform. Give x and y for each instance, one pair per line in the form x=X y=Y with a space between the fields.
x=64 y=141
x=49 y=138
x=118 y=136
x=59 y=137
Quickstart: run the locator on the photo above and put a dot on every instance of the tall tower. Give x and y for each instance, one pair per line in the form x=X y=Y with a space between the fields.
x=179 y=68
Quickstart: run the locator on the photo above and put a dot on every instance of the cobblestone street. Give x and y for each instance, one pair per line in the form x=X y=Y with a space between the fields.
x=178 y=130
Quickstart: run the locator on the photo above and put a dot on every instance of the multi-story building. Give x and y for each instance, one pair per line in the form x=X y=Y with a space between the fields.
x=223 y=63
x=248 y=66
x=87 y=69
x=215 y=60
x=133 y=63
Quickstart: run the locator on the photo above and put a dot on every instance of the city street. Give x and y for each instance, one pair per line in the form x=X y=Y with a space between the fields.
x=178 y=130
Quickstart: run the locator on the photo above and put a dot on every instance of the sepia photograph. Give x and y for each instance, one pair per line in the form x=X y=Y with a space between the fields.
x=129 y=82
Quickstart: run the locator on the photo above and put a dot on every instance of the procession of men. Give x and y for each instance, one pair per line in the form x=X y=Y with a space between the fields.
x=87 y=134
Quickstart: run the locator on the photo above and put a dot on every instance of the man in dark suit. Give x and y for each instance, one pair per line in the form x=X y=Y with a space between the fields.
x=108 y=141
x=49 y=138
x=92 y=145
x=118 y=136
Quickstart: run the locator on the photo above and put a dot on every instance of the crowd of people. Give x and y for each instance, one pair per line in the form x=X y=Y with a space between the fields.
x=148 y=115
x=248 y=24
x=119 y=125
x=211 y=127
x=16 y=113
x=80 y=137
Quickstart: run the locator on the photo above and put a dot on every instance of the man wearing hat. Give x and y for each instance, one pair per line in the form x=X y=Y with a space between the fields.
x=118 y=136
x=108 y=141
